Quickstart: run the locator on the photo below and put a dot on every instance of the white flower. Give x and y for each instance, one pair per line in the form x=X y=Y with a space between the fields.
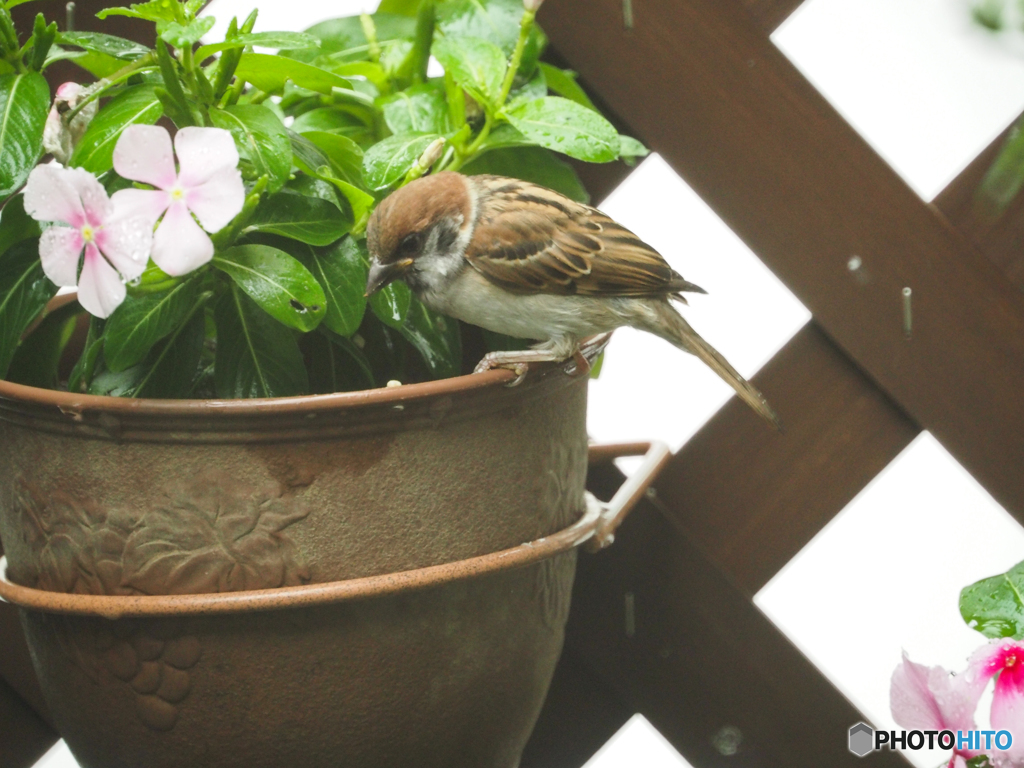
x=207 y=184
x=116 y=245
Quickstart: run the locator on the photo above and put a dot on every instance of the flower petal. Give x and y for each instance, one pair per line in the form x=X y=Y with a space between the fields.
x=179 y=245
x=94 y=197
x=100 y=290
x=59 y=249
x=56 y=137
x=202 y=152
x=49 y=196
x=126 y=243
x=929 y=698
x=147 y=204
x=218 y=200
x=144 y=153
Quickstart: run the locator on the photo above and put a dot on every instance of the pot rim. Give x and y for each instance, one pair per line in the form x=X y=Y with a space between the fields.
x=305 y=595
x=285 y=419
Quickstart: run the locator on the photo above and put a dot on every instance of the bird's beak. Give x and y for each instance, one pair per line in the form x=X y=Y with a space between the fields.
x=382 y=274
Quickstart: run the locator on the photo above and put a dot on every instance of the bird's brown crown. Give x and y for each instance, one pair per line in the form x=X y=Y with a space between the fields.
x=413 y=209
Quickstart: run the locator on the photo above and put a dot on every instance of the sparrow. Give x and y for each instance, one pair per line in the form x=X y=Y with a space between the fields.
x=525 y=261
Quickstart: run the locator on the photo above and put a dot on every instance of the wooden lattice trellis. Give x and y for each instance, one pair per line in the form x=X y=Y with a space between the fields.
x=703 y=85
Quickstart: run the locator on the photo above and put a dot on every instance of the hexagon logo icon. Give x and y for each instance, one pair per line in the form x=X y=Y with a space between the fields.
x=862 y=738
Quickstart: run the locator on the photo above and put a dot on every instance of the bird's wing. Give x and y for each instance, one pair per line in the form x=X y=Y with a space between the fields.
x=529 y=239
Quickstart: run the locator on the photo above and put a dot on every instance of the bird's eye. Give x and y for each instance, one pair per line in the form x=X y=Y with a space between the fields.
x=410 y=245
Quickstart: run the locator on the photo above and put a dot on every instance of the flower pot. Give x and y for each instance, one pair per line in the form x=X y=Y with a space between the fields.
x=319 y=581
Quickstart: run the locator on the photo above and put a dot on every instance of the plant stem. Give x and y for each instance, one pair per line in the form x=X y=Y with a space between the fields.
x=525 y=26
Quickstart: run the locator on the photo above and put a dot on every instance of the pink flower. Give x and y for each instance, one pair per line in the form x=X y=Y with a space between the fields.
x=931 y=699
x=1003 y=657
x=59 y=138
x=116 y=246
x=207 y=184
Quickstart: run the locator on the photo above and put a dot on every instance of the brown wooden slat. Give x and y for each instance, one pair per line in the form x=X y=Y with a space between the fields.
x=999 y=237
x=771 y=13
x=753 y=497
x=702 y=657
x=24 y=738
x=702 y=84
x=580 y=714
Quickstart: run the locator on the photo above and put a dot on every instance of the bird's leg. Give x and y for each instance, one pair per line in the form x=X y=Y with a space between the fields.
x=516 y=361
x=582 y=364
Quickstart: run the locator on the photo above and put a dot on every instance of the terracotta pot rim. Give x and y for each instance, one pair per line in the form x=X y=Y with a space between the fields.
x=305 y=595
x=304 y=417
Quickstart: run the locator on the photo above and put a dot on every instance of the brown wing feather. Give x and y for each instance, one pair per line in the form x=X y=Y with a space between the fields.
x=529 y=239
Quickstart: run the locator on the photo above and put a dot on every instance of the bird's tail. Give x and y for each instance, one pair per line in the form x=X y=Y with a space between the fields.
x=672 y=327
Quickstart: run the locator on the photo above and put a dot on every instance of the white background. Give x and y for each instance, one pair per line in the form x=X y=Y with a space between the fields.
x=928 y=91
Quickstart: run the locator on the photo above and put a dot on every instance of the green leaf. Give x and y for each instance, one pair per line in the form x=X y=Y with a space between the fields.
x=15 y=224
x=505 y=136
x=477 y=65
x=534 y=88
x=269 y=73
x=374 y=73
x=329 y=120
x=1004 y=179
x=563 y=82
x=343 y=154
x=280 y=40
x=305 y=155
x=24 y=104
x=277 y=282
x=534 y=164
x=995 y=606
x=155 y=10
x=400 y=7
x=307 y=219
x=336 y=364
x=186 y=35
x=24 y=291
x=261 y=139
x=496 y=21
x=81 y=374
x=567 y=127
x=341 y=271
x=141 y=321
x=436 y=338
x=630 y=149
x=108 y=45
x=256 y=356
x=339 y=35
x=361 y=202
x=391 y=304
x=37 y=359
x=387 y=162
x=422 y=108
x=137 y=104
x=172 y=367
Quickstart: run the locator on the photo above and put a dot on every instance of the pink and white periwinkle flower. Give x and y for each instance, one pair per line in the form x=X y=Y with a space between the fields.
x=206 y=183
x=1003 y=657
x=932 y=699
x=116 y=245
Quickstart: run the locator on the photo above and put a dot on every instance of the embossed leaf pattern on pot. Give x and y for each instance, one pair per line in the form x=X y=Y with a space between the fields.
x=212 y=540
x=79 y=545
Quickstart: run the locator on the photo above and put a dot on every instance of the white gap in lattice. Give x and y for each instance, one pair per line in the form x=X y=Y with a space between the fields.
x=885 y=576
x=923 y=84
x=57 y=756
x=283 y=16
x=648 y=389
x=637 y=743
